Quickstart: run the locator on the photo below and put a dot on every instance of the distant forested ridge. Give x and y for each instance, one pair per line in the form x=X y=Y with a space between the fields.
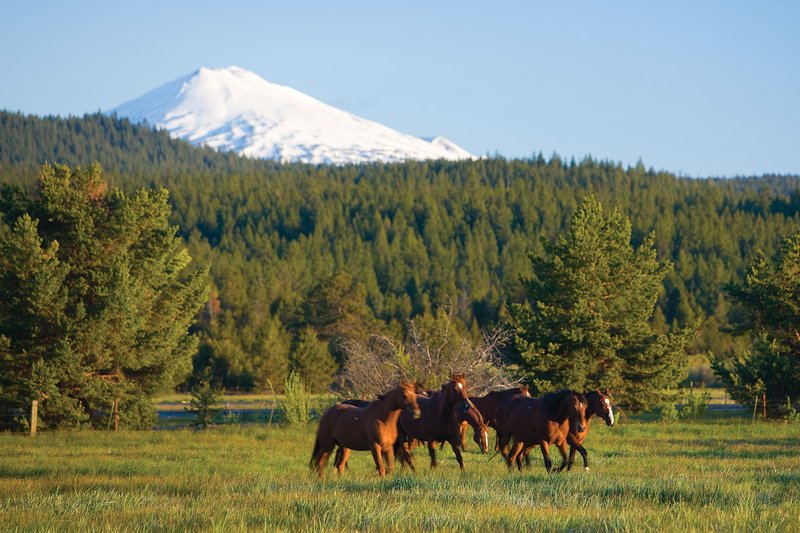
x=353 y=249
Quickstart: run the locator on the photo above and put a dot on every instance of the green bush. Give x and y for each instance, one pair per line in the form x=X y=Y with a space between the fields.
x=297 y=404
x=695 y=405
x=791 y=414
x=668 y=413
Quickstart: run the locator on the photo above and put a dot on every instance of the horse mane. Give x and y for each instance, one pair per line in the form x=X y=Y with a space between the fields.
x=403 y=384
x=552 y=400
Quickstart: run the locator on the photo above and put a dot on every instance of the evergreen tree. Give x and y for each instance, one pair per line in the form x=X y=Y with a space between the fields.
x=204 y=404
x=312 y=361
x=591 y=298
x=96 y=304
x=337 y=310
x=767 y=306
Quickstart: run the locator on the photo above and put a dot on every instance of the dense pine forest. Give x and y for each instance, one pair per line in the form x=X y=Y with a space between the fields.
x=302 y=256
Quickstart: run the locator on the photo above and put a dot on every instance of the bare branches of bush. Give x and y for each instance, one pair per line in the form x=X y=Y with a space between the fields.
x=432 y=351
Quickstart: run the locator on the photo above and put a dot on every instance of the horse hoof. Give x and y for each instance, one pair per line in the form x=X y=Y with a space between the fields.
x=586 y=468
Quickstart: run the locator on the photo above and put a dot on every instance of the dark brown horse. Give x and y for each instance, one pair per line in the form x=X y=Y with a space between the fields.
x=438 y=423
x=598 y=403
x=373 y=428
x=525 y=422
x=488 y=404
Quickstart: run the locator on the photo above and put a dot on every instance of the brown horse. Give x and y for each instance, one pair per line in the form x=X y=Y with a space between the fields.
x=525 y=422
x=488 y=404
x=480 y=431
x=438 y=423
x=598 y=403
x=373 y=428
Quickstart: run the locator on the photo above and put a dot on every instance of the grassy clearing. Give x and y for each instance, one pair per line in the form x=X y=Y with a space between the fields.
x=720 y=474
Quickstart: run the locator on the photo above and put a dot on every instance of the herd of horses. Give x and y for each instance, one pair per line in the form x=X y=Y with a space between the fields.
x=406 y=416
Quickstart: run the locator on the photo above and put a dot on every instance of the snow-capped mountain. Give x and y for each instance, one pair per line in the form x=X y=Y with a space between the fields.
x=233 y=109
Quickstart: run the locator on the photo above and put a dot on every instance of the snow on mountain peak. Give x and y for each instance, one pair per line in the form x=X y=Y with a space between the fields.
x=234 y=109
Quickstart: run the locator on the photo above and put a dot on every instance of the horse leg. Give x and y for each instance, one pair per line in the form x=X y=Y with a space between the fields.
x=322 y=461
x=524 y=455
x=457 y=450
x=562 y=448
x=376 y=456
x=571 y=459
x=514 y=452
x=342 y=454
x=583 y=453
x=502 y=445
x=409 y=459
x=322 y=450
x=389 y=456
x=432 y=453
x=403 y=452
x=546 y=454
x=463 y=429
x=337 y=459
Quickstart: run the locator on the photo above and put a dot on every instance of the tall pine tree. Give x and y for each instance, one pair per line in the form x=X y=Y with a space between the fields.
x=586 y=324
x=96 y=299
x=767 y=306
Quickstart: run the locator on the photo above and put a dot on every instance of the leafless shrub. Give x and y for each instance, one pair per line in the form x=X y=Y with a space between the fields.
x=432 y=351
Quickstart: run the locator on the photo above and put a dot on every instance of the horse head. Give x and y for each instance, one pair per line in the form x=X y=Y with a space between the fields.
x=481 y=437
x=575 y=406
x=523 y=390
x=455 y=392
x=600 y=404
x=409 y=398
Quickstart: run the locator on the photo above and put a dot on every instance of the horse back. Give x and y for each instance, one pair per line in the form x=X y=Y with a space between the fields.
x=429 y=426
x=527 y=420
x=489 y=404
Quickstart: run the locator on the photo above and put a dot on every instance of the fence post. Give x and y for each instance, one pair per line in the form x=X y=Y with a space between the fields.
x=755 y=409
x=764 y=403
x=34 y=416
x=116 y=416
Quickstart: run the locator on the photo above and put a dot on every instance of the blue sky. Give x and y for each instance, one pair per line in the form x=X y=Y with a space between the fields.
x=700 y=88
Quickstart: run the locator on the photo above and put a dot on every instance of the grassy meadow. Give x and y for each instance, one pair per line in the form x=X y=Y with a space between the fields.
x=719 y=474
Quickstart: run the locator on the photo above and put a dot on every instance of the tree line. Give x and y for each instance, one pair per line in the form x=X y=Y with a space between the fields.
x=304 y=258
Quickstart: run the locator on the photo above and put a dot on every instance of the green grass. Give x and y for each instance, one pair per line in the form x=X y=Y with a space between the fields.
x=177 y=401
x=720 y=474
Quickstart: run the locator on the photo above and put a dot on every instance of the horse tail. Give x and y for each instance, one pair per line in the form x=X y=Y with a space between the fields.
x=317 y=447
